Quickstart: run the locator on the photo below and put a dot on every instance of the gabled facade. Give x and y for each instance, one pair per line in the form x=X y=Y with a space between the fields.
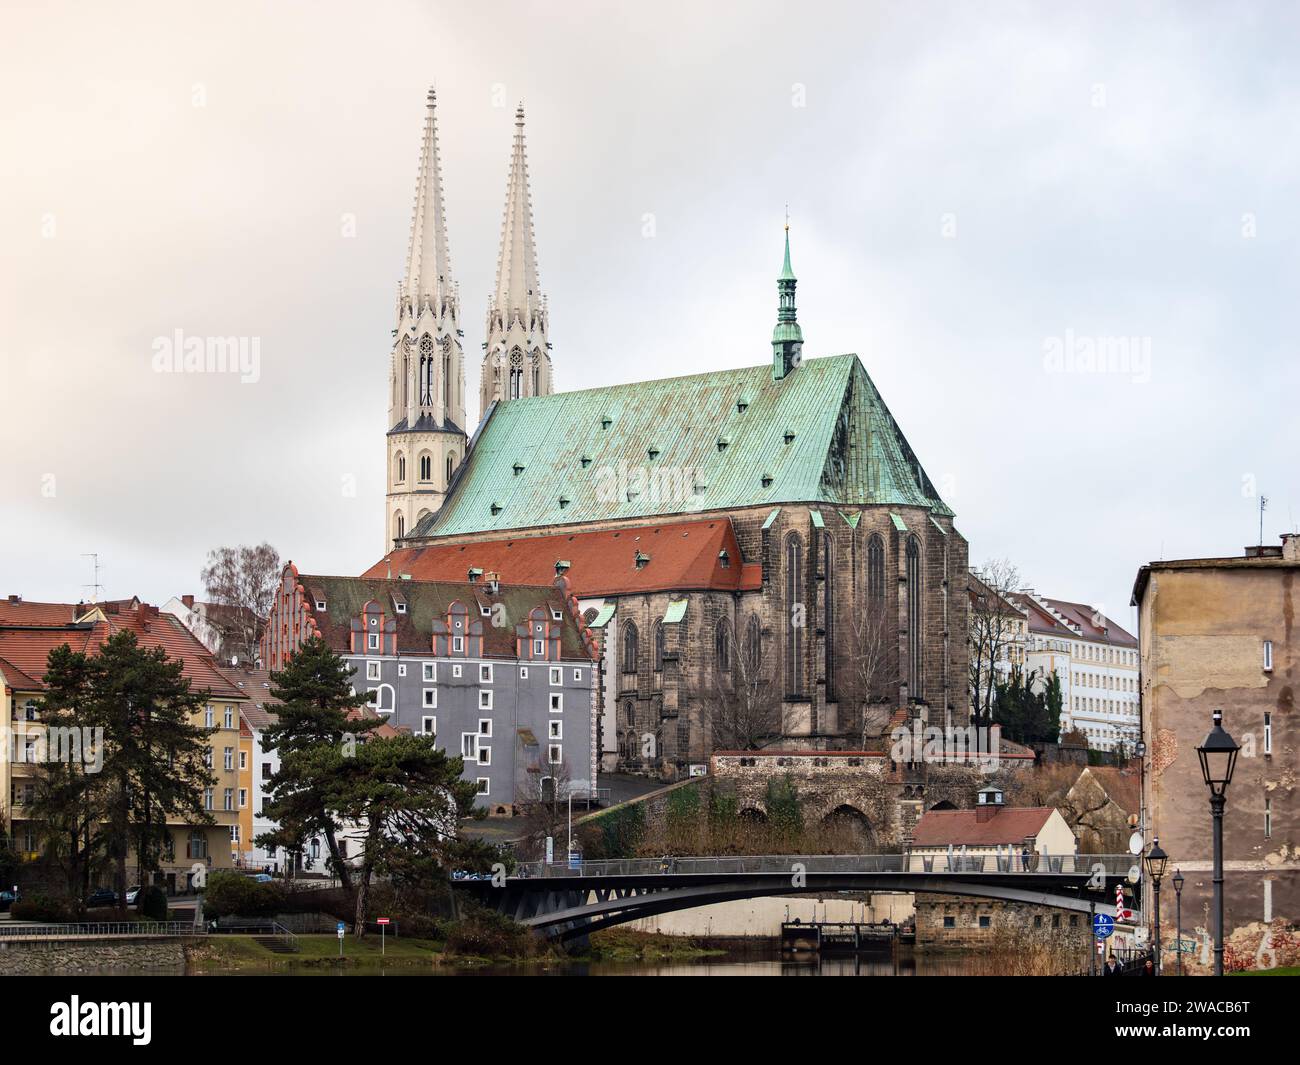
x=505 y=676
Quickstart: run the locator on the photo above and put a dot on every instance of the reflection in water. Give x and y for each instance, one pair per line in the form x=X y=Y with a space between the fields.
x=906 y=964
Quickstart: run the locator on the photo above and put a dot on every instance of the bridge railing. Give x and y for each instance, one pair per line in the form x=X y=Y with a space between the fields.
x=102 y=930
x=914 y=862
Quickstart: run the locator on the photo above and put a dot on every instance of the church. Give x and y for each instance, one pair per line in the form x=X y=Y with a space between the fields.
x=759 y=551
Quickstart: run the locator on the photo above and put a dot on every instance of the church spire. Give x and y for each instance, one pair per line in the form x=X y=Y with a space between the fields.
x=787 y=337
x=428 y=263
x=426 y=366
x=517 y=362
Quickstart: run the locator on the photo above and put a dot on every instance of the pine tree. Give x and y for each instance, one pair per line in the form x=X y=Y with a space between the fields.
x=315 y=728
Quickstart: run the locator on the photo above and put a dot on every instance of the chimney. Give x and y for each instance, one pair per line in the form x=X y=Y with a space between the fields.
x=188 y=600
x=1291 y=547
x=493 y=581
x=15 y=599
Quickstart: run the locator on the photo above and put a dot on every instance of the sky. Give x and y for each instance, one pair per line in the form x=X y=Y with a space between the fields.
x=1061 y=241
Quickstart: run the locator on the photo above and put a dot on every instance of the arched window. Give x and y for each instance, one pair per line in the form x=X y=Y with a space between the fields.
x=659 y=646
x=629 y=647
x=451 y=466
x=446 y=374
x=516 y=374
x=914 y=672
x=537 y=386
x=426 y=370
x=753 y=644
x=795 y=617
x=401 y=526
x=406 y=374
x=828 y=619
x=426 y=467
x=722 y=646
x=876 y=567
x=400 y=472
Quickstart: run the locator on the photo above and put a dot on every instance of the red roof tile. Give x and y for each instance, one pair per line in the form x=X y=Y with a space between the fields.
x=17 y=611
x=683 y=556
x=1010 y=825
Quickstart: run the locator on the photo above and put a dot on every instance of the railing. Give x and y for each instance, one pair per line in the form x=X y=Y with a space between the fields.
x=956 y=863
x=115 y=929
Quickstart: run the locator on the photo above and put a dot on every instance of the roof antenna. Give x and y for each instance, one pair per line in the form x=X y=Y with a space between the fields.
x=1263 y=506
x=95 y=587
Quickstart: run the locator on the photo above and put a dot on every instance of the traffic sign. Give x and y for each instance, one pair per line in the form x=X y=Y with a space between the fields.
x=1103 y=924
x=342 y=929
x=381 y=920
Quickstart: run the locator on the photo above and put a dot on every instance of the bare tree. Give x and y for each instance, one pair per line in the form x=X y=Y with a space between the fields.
x=542 y=793
x=871 y=676
x=742 y=709
x=240 y=583
x=994 y=623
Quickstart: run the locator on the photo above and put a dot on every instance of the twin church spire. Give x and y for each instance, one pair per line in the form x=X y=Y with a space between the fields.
x=427 y=435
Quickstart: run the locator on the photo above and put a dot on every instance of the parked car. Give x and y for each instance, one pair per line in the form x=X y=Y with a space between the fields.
x=102 y=897
x=132 y=893
x=261 y=878
x=7 y=899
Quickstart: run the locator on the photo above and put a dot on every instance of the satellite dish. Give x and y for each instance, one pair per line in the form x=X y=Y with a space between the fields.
x=1136 y=843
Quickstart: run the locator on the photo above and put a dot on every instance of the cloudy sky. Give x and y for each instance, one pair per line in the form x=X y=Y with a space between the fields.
x=979 y=196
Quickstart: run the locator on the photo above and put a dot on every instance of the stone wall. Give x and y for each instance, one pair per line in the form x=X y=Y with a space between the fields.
x=1005 y=920
x=66 y=958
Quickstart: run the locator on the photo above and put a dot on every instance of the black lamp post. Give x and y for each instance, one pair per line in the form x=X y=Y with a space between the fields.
x=1156 y=861
x=1218 y=756
x=1178 y=916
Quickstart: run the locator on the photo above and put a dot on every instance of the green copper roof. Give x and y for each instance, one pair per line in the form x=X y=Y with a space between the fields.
x=684 y=445
x=786 y=273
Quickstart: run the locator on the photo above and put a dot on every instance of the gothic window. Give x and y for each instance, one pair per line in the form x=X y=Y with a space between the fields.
x=451 y=466
x=876 y=567
x=795 y=619
x=400 y=472
x=914 y=618
x=516 y=374
x=722 y=646
x=401 y=526
x=629 y=648
x=426 y=370
x=406 y=374
x=426 y=467
x=446 y=374
x=537 y=388
x=753 y=644
x=659 y=646
x=828 y=622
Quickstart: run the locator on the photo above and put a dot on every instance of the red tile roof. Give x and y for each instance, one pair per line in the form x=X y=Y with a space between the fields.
x=14 y=610
x=683 y=556
x=27 y=648
x=1010 y=825
x=1094 y=625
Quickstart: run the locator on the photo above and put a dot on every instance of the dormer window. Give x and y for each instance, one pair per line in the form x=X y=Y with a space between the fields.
x=496 y=509
x=518 y=468
x=766 y=480
x=789 y=436
x=653 y=452
x=399 y=606
x=640 y=560
x=606 y=422
x=724 y=559
x=722 y=443
x=564 y=502
x=586 y=461
x=742 y=405
x=320 y=604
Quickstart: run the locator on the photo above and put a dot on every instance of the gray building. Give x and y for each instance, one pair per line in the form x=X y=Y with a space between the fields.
x=503 y=675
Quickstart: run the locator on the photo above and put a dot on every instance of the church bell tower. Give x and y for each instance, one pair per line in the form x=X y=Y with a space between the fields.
x=426 y=405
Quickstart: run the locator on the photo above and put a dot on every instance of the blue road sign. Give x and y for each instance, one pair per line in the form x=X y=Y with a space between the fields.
x=1103 y=924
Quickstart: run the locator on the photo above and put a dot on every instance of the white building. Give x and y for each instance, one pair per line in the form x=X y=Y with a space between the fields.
x=1097 y=662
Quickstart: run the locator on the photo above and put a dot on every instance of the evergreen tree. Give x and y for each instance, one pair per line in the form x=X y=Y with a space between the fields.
x=408 y=797
x=154 y=759
x=315 y=728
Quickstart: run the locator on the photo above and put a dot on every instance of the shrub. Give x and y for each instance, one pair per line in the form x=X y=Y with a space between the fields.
x=234 y=895
x=41 y=908
x=486 y=933
x=154 y=904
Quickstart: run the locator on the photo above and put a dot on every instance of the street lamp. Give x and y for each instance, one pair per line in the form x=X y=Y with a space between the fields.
x=1156 y=860
x=1178 y=916
x=1218 y=756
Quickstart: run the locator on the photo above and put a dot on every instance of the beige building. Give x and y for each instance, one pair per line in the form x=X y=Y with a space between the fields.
x=1219 y=634
x=28 y=632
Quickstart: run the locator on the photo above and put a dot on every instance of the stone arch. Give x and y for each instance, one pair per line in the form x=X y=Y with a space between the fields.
x=847 y=819
x=754 y=815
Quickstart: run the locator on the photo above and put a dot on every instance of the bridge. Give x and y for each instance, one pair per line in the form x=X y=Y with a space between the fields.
x=567 y=902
